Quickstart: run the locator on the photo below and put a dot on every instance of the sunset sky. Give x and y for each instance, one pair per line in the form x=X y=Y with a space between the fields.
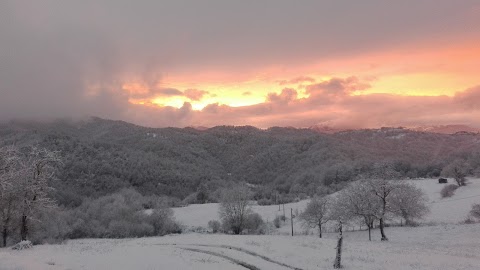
x=345 y=64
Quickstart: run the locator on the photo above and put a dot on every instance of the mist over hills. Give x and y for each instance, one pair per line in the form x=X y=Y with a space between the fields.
x=102 y=156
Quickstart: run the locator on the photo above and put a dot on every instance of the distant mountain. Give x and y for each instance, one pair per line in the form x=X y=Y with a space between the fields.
x=102 y=156
x=447 y=129
x=326 y=129
x=441 y=129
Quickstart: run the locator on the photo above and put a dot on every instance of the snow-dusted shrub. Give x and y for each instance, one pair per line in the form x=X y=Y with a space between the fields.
x=23 y=245
x=277 y=222
x=254 y=224
x=265 y=201
x=448 y=190
x=468 y=220
x=475 y=212
x=119 y=215
x=163 y=222
x=214 y=225
x=50 y=226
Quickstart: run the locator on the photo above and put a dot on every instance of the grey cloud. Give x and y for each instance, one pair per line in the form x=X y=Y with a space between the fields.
x=71 y=59
x=168 y=92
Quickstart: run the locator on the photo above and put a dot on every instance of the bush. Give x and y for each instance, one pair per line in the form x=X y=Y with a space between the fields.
x=163 y=222
x=468 y=220
x=265 y=201
x=117 y=215
x=23 y=245
x=277 y=222
x=214 y=225
x=254 y=224
x=448 y=190
x=475 y=212
x=49 y=226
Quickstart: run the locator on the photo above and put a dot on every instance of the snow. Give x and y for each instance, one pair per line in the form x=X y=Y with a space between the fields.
x=198 y=215
x=442 y=244
x=446 y=210
x=449 y=210
x=441 y=247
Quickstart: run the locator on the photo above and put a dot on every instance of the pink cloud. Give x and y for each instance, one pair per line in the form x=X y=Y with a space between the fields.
x=342 y=111
x=195 y=94
x=297 y=80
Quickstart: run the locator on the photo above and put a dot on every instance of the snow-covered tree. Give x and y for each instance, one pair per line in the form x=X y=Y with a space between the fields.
x=383 y=190
x=458 y=170
x=235 y=207
x=9 y=190
x=358 y=201
x=316 y=213
x=381 y=185
x=409 y=202
x=39 y=166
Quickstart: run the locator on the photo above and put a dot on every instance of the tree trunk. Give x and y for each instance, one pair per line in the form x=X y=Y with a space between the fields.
x=369 y=233
x=24 y=228
x=382 y=231
x=320 y=229
x=338 y=258
x=4 y=236
x=291 y=218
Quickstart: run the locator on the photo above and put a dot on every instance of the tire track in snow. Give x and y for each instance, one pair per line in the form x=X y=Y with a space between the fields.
x=253 y=254
x=246 y=251
x=235 y=261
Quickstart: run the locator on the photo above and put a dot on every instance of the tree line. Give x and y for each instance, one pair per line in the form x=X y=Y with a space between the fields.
x=101 y=157
x=28 y=210
x=375 y=199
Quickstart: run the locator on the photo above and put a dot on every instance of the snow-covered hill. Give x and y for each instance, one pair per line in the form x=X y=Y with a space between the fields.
x=448 y=210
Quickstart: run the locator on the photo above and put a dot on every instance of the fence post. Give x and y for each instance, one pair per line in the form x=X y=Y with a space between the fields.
x=338 y=257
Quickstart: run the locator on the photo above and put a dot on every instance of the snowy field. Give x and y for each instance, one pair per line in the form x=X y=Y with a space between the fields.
x=445 y=245
x=453 y=209
x=199 y=214
x=447 y=210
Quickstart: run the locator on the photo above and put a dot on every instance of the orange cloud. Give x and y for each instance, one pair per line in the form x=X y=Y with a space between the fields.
x=195 y=94
x=333 y=102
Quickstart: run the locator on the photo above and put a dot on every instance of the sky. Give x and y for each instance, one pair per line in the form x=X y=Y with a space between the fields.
x=344 y=64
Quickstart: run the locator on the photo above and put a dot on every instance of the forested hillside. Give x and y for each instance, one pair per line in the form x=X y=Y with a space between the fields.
x=102 y=156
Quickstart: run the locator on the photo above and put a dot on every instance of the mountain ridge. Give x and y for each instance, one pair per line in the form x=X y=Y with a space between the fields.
x=102 y=156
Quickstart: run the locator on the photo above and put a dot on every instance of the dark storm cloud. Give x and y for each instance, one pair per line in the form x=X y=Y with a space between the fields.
x=71 y=58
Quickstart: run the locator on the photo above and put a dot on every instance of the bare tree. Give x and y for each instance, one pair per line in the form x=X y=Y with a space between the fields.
x=235 y=207
x=458 y=170
x=358 y=200
x=383 y=190
x=38 y=168
x=382 y=187
x=9 y=189
x=409 y=202
x=316 y=214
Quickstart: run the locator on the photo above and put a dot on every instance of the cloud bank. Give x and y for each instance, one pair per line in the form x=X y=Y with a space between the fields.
x=76 y=59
